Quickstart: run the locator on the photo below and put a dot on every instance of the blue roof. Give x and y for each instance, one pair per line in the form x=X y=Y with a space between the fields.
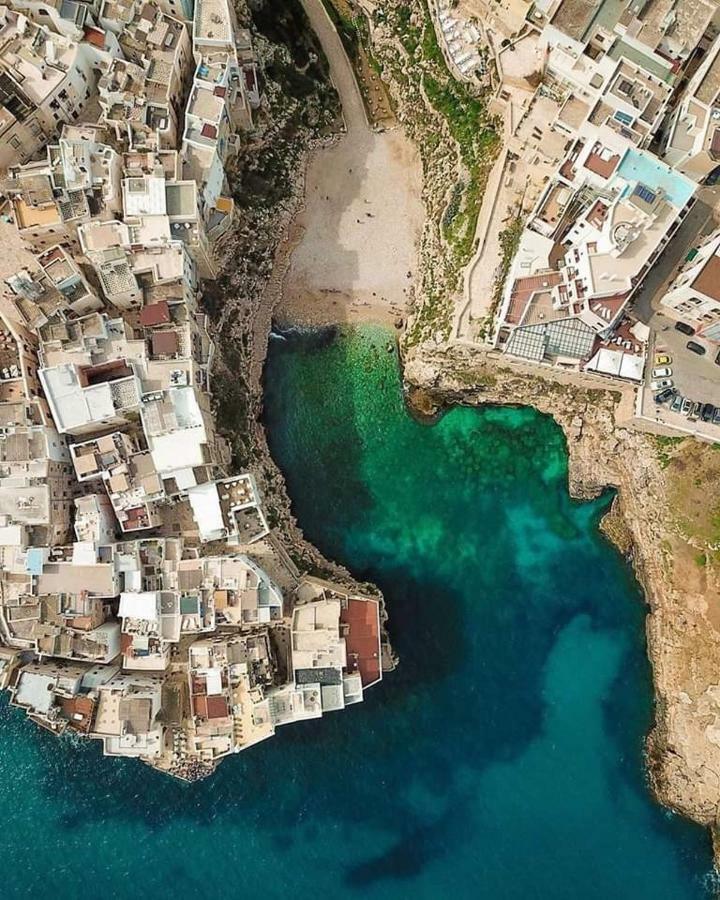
x=638 y=166
x=34 y=559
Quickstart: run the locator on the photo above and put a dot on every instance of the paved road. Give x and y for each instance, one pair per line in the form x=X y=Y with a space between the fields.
x=341 y=71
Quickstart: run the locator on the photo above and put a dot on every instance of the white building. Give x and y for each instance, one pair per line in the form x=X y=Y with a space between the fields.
x=90 y=398
x=46 y=79
x=694 y=296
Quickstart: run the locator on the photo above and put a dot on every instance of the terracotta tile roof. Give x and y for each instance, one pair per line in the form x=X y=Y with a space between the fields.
x=600 y=166
x=95 y=37
x=155 y=314
x=217 y=708
x=363 y=638
x=165 y=343
x=523 y=290
x=708 y=281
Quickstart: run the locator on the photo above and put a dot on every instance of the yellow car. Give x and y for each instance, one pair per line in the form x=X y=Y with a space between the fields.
x=662 y=359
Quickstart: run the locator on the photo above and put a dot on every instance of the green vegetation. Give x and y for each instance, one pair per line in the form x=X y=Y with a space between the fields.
x=348 y=27
x=354 y=31
x=665 y=445
x=476 y=378
x=693 y=474
x=437 y=107
x=509 y=242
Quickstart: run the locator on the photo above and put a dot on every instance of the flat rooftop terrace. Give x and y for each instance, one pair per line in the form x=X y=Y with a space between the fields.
x=212 y=21
x=637 y=166
x=710 y=85
x=28 y=216
x=206 y=104
x=576 y=17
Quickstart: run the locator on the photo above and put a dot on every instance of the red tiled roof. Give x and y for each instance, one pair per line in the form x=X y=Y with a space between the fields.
x=78 y=711
x=155 y=314
x=208 y=131
x=604 y=167
x=524 y=288
x=217 y=708
x=614 y=304
x=165 y=343
x=95 y=37
x=715 y=143
x=363 y=638
x=708 y=280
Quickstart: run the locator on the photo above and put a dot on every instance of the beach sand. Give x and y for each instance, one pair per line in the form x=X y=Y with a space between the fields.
x=355 y=254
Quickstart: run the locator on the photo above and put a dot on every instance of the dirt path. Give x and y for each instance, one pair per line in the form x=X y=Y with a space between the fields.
x=363 y=214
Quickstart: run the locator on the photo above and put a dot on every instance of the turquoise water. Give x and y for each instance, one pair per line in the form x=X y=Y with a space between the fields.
x=505 y=754
x=637 y=165
x=501 y=760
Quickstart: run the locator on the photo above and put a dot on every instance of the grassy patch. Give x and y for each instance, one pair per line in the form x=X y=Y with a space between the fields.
x=509 y=243
x=354 y=33
x=476 y=379
x=438 y=107
x=665 y=448
x=693 y=473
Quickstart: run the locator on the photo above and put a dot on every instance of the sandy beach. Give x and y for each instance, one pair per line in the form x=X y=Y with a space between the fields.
x=355 y=242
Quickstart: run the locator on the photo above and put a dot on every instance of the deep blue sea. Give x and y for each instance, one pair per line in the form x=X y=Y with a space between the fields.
x=503 y=758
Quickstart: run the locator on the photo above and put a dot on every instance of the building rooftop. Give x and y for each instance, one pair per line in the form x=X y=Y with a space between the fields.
x=708 y=280
x=181 y=200
x=75 y=403
x=212 y=21
x=144 y=196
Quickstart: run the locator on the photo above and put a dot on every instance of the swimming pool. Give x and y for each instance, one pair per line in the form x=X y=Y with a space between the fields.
x=646 y=168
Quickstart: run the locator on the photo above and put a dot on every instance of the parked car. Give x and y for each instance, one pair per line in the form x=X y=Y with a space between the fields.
x=696 y=348
x=665 y=395
x=663 y=372
x=686 y=406
x=662 y=359
x=716 y=416
x=717 y=359
x=661 y=384
x=685 y=328
x=695 y=411
x=677 y=403
x=707 y=412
